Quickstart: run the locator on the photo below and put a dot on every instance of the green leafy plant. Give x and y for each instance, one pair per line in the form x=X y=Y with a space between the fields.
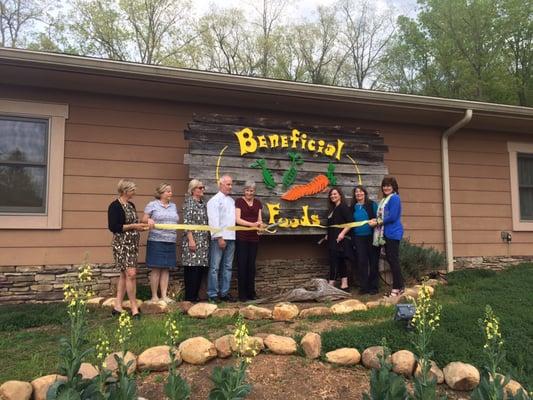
x=124 y=388
x=74 y=349
x=268 y=178
x=424 y=322
x=385 y=384
x=176 y=388
x=415 y=260
x=492 y=384
x=290 y=175
x=331 y=174
x=230 y=382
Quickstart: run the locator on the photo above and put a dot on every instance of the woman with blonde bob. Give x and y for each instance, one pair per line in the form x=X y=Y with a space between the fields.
x=161 y=244
x=195 y=244
x=122 y=221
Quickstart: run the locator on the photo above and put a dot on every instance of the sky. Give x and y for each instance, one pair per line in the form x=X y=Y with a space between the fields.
x=306 y=8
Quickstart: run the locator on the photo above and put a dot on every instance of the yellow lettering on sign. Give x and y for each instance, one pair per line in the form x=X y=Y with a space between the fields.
x=247 y=143
x=273 y=211
x=304 y=220
x=296 y=140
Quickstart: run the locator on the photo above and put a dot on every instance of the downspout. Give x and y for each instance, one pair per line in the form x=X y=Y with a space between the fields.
x=448 y=239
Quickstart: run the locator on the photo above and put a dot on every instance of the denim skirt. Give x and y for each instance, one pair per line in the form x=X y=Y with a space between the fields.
x=160 y=254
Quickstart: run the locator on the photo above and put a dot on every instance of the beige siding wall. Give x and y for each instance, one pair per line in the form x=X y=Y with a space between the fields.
x=108 y=138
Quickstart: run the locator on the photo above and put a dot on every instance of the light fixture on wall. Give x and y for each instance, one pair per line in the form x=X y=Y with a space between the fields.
x=506 y=236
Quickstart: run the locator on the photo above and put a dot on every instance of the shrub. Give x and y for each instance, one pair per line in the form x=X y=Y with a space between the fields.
x=415 y=260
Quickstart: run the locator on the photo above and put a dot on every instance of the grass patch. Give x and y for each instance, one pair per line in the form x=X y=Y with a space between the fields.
x=30 y=333
x=459 y=337
x=23 y=316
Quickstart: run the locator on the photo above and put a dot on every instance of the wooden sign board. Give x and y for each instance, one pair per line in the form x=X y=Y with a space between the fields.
x=279 y=156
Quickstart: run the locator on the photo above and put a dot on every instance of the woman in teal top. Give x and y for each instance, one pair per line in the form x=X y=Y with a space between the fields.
x=367 y=255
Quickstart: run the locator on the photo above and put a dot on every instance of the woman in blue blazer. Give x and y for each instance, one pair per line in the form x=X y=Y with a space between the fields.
x=389 y=230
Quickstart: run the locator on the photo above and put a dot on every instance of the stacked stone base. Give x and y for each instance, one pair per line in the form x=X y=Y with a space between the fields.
x=44 y=283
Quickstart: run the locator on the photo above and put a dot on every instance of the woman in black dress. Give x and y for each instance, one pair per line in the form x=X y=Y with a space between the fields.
x=339 y=241
x=123 y=222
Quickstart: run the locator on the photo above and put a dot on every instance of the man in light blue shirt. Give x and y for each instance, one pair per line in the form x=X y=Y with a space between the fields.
x=221 y=214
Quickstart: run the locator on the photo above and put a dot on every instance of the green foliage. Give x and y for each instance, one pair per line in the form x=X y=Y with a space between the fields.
x=490 y=389
x=268 y=179
x=124 y=388
x=463 y=301
x=331 y=174
x=469 y=50
x=230 y=383
x=24 y=316
x=415 y=260
x=385 y=384
x=290 y=175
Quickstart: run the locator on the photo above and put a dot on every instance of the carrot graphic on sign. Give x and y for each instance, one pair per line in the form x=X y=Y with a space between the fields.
x=317 y=184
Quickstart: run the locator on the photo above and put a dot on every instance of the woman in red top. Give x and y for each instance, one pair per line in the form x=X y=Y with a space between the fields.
x=247 y=213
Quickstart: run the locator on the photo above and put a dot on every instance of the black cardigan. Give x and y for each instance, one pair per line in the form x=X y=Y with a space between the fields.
x=116 y=217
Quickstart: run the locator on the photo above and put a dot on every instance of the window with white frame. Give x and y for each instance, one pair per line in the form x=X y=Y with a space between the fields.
x=521 y=173
x=32 y=137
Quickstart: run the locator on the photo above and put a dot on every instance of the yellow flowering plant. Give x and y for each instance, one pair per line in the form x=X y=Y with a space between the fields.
x=176 y=387
x=125 y=387
x=424 y=323
x=230 y=382
x=74 y=349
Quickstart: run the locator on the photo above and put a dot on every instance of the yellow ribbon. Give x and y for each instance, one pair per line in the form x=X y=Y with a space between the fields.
x=186 y=227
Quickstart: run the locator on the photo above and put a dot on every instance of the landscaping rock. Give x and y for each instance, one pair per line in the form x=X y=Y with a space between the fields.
x=96 y=301
x=370 y=356
x=127 y=304
x=109 y=302
x=410 y=292
x=40 y=385
x=391 y=301
x=224 y=312
x=111 y=363
x=227 y=345
x=197 y=350
x=156 y=359
x=254 y=313
x=431 y=289
x=149 y=307
x=348 y=306
x=285 y=312
x=16 y=390
x=461 y=376
x=433 y=282
x=183 y=306
x=403 y=363
x=372 y=304
x=223 y=346
x=512 y=387
x=280 y=344
x=312 y=345
x=87 y=371
x=434 y=372
x=344 y=356
x=202 y=310
x=315 y=312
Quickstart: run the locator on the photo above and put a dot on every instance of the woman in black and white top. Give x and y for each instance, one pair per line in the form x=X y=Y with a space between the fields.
x=123 y=222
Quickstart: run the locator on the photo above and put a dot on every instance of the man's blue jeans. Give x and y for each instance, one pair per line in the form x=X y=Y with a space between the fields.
x=220 y=263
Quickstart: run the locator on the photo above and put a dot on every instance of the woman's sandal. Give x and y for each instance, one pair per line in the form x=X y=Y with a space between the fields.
x=115 y=312
x=396 y=293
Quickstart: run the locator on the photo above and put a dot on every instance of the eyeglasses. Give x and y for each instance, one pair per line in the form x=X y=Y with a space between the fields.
x=200 y=187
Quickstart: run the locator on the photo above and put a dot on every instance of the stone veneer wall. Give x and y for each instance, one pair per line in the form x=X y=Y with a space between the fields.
x=44 y=283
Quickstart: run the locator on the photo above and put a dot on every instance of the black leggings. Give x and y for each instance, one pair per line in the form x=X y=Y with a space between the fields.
x=246 y=255
x=337 y=265
x=392 y=253
x=367 y=262
x=192 y=277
